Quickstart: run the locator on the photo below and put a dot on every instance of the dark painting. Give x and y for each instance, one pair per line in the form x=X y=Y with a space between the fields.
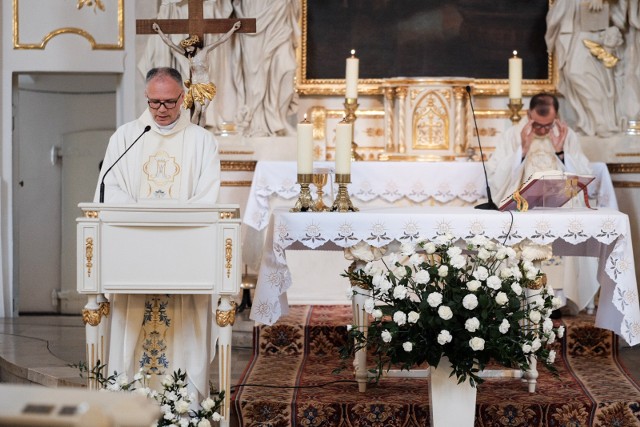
x=426 y=38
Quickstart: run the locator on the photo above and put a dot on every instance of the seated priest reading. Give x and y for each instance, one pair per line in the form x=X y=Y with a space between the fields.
x=542 y=142
x=173 y=161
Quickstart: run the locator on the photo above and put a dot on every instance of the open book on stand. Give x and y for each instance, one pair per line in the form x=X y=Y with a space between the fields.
x=549 y=189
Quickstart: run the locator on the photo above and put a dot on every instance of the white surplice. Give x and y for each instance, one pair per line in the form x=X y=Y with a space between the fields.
x=161 y=333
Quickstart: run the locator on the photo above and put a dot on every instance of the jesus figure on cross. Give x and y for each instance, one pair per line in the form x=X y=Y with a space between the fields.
x=201 y=89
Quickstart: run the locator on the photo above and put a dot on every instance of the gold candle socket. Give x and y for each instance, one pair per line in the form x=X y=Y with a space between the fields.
x=304 y=202
x=350 y=108
x=342 y=203
x=515 y=105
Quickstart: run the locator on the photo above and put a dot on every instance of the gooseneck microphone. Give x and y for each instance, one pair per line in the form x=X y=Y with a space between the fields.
x=489 y=205
x=146 y=129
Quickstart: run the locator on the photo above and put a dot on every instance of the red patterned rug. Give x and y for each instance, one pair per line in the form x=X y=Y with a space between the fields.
x=290 y=382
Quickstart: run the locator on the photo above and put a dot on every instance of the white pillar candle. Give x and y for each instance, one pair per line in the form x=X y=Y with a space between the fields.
x=515 y=76
x=343 y=147
x=352 y=76
x=305 y=147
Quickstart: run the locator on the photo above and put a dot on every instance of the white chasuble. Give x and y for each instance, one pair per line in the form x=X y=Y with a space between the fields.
x=160 y=334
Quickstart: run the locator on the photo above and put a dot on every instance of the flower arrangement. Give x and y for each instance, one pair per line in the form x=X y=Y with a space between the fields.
x=175 y=400
x=472 y=305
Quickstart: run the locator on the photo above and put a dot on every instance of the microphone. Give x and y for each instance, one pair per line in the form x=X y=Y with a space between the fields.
x=489 y=205
x=146 y=129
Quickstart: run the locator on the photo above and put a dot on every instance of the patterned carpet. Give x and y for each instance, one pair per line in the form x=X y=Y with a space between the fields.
x=302 y=350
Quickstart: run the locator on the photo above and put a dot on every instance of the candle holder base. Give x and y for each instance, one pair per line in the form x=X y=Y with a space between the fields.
x=515 y=105
x=305 y=201
x=342 y=203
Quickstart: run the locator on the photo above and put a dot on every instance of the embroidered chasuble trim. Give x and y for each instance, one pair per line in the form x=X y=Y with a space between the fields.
x=161 y=170
x=155 y=325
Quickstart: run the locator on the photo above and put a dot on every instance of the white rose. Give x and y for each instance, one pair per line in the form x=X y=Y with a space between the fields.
x=556 y=302
x=434 y=299
x=453 y=251
x=535 y=316
x=476 y=344
x=216 y=417
x=560 y=331
x=400 y=292
x=445 y=312
x=484 y=254
x=407 y=346
x=501 y=298
x=547 y=325
x=364 y=252
x=470 y=301
x=536 y=301
x=167 y=381
x=443 y=270
x=551 y=357
x=422 y=277
x=377 y=314
x=384 y=285
x=204 y=423
x=494 y=282
x=183 y=422
x=182 y=406
x=472 y=324
x=458 y=261
x=386 y=336
x=430 y=248
x=444 y=337
x=413 y=317
x=123 y=380
x=393 y=258
x=516 y=288
x=526 y=348
x=415 y=259
x=400 y=271
x=349 y=327
x=407 y=249
x=502 y=253
x=349 y=293
x=535 y=345
x=400 y=318
x=478 y=240
x=473 y=285
x=369 y=305
x=481 y=273
x=504 y=326
x=551 y=338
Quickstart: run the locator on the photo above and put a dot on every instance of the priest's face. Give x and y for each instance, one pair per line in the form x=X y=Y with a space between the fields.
x=542 y=125
x=163 y=96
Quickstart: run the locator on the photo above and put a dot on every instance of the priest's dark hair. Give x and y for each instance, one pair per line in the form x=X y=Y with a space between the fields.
x=164 y=71
x=541 y=103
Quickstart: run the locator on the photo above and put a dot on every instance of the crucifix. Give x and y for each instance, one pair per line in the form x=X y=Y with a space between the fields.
x=200 y=90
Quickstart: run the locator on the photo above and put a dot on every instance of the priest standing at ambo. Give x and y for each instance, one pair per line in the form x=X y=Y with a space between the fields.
x=173 y=161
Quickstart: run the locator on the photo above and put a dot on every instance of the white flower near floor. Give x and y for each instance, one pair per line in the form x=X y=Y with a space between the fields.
x=469 y=303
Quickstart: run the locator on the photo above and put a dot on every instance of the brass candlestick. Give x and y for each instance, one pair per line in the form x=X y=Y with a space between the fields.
x=342 y=203
x=350 y=108
x=515 y=105
x=304 y=202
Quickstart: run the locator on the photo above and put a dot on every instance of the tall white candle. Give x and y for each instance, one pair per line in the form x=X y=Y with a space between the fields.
x=515 y=76
x=343 y=147
x=352 y=76
x=305 y=147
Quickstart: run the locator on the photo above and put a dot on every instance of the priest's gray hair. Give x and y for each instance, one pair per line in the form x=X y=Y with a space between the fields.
x=162 y=72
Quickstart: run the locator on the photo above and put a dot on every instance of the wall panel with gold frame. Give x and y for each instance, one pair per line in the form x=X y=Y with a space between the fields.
x=100 y=22
x=421 y=38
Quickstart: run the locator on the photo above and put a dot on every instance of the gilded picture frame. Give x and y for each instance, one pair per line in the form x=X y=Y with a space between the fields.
x=473 y=38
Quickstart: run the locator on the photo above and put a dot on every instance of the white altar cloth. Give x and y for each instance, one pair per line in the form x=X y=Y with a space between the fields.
x=603 y=233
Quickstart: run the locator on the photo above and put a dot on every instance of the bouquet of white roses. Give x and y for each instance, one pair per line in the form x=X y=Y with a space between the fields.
x=471 y=304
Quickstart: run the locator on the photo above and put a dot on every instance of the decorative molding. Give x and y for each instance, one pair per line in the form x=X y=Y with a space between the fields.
x=235 y=184
x=238 y=165
x=228 y=255
x=623 y=167
x=626 y=184
x=88 y=248
x=68 y=30
x=226 y=318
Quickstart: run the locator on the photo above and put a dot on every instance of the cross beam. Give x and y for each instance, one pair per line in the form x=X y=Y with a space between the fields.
x=195 y=24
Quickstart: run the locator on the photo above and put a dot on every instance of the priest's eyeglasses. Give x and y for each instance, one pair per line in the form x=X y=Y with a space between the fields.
x=168 y=104
x=540 y=126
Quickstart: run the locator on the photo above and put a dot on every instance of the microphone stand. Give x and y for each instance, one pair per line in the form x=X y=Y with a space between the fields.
x=146 y=129
x=489 y=205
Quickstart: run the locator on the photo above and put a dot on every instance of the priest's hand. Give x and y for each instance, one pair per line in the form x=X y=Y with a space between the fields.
x=558 y=134
x=527 y=135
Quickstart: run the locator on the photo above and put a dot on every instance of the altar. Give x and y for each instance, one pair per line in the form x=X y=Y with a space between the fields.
x=603 y=233
x=374 y=184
